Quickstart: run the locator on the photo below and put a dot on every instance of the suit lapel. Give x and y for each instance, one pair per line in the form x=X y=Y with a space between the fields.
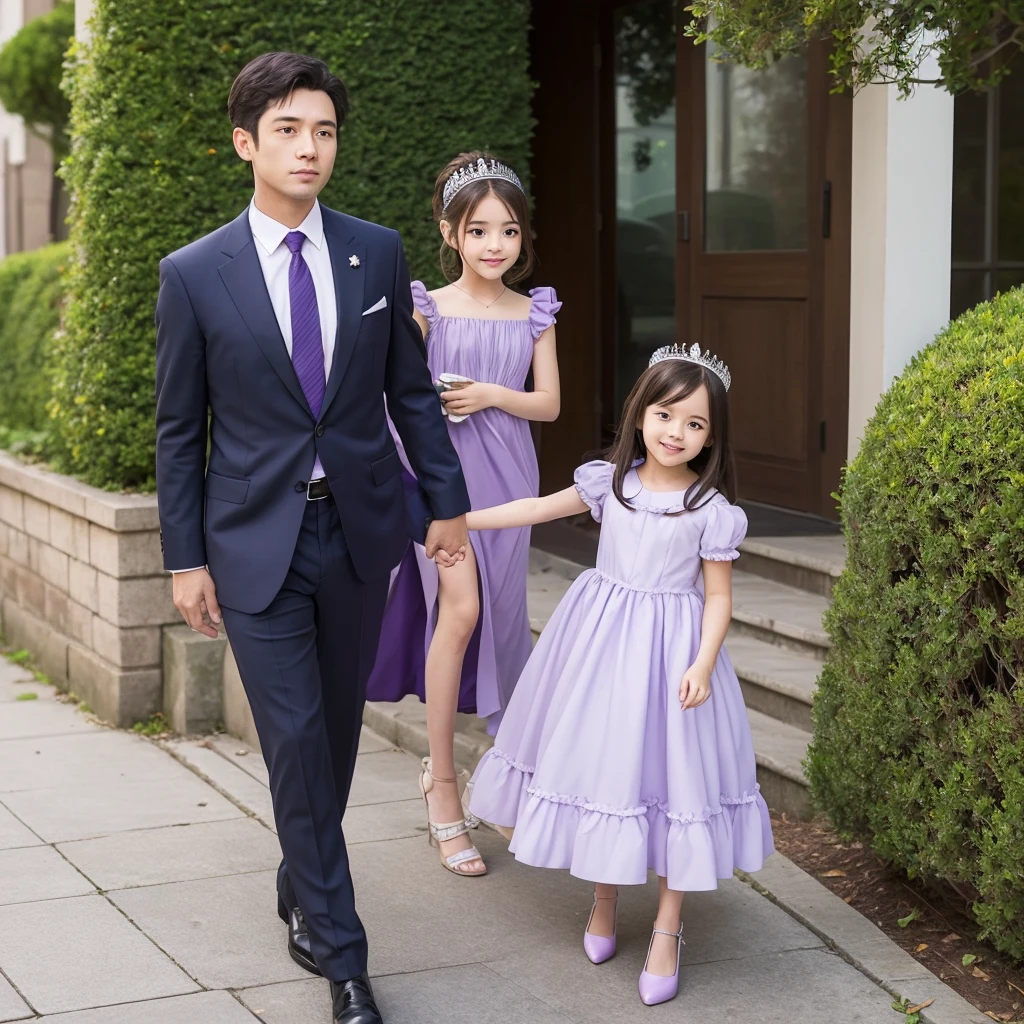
x=348 y=293
x=243 y=277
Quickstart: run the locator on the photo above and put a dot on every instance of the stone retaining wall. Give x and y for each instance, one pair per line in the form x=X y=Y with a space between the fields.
x=83 y=588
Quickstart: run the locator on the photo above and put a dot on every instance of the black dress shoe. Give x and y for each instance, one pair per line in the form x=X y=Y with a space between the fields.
x=353 y=1002
x=298 y=937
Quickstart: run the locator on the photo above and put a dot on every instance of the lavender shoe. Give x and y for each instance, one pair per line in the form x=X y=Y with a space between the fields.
x=598 y=947
x=656 y=988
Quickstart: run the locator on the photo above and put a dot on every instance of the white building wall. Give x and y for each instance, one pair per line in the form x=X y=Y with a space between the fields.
x=902 y=201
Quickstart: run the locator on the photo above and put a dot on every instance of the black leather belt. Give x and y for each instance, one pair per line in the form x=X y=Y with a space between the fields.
x=317 y=490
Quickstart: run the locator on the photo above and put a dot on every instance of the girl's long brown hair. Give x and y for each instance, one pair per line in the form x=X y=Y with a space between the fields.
x=665 y=383
x=462 y=207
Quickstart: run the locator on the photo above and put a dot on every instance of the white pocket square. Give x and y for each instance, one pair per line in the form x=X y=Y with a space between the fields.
x=382 y=304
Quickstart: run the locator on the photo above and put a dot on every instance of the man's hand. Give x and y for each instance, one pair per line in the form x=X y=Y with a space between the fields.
x=447 y=540
x=195 y=597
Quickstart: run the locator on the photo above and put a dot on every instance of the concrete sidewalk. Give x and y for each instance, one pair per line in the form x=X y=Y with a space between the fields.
x=137 y=887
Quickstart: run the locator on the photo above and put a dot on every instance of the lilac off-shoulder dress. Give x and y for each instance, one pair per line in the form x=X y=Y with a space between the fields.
x=500 y=464
x=594 y=763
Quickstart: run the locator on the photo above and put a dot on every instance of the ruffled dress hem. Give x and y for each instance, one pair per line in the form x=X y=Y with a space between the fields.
x=618 y=846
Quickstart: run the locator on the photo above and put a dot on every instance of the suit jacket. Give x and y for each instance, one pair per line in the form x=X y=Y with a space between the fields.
x=236 y=440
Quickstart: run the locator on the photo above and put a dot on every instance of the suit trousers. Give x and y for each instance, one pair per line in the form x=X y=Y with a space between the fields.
x=304 y=662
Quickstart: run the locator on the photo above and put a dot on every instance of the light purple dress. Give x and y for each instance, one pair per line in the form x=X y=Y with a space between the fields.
x=595 y=764
x=500 y=464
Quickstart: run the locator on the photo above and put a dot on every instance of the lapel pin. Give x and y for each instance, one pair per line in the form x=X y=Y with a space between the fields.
x=353 y=260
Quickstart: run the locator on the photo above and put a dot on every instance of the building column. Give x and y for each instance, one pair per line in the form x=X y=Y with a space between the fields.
x=83 y=12
x=902 y=197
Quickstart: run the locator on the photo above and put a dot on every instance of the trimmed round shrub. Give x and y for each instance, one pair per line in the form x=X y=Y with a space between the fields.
x=152 y=166
x=919 y=716
x=31 y=292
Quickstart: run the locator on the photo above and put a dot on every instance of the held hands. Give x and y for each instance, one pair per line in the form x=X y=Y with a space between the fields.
x=469 y=398
x=695 y=687
x=447 y=540
x=195 y=597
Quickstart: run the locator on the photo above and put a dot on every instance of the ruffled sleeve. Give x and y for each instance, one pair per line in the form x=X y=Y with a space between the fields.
x=424 y=303
x=543 y=307
x=594 y=484
x=726 y=526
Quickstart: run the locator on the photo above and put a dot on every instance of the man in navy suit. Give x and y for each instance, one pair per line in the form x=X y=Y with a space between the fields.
x=280 y=489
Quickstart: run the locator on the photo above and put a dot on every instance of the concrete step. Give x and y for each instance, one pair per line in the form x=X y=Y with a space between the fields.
x=779 y=614
x=780 y=750
x=811 y=563
x=775 y=681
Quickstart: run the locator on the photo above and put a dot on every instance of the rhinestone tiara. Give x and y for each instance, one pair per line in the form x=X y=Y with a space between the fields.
x=693 y=354
x=478 y=171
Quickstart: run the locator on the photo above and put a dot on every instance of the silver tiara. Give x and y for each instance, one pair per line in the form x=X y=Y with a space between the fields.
x=478 y=172
x=693 y=354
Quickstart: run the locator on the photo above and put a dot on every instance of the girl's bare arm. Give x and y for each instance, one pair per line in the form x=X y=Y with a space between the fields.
x=528 y=511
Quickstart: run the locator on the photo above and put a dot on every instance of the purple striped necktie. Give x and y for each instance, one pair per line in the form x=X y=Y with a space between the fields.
x=307 y=339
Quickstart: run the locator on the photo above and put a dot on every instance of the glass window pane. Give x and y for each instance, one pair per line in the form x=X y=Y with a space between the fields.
x=1007 y=279
x=970 y=176
x=645 y=185
x=966 y=289
x=1011 y=164
x=756 y=163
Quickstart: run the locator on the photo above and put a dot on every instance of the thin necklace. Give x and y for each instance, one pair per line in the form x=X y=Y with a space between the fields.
x=486 y=305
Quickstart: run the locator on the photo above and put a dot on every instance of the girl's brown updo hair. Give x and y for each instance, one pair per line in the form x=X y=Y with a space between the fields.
x=464 y=204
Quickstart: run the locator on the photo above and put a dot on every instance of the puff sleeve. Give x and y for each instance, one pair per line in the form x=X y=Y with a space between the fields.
x=544 y=305
x=726 y=526
x=594 y=483
x=424 y=303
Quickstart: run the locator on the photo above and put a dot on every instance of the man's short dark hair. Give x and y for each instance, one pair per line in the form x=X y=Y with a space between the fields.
x=273 y=77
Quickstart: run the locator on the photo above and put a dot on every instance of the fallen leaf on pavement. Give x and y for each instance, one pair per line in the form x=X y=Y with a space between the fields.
x=206 y=743
x=921 y=948
x=847 y=899
x=918 y=1007
x=241 y=753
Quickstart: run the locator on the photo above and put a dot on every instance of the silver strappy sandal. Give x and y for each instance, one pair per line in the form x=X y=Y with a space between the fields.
x=438 y=834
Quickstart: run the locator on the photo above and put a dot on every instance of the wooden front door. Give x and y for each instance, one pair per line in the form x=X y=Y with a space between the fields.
x=729 y=195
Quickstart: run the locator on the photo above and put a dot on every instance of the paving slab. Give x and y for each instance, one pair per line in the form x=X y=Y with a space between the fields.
x=12 y=687
x=13 y=833
x=227 y=776
x=472 y=994
x=374 y=823
x=12 y=1006
x=85 y=812
x=535 y=908
x=201 y=1008
x=38 y=873
x=224 y=931
x=78 y=953
x=796 y=987
x=90 y=758
x=175 y=854
x=243 y=756
x=30 y=718
x=384 y=777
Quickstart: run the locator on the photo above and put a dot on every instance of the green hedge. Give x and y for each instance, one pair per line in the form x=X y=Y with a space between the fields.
x=152 y=165
x=31 y=289
x=919 y=715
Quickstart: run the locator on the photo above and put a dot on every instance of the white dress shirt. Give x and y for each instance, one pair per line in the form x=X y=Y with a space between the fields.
x=275 y=258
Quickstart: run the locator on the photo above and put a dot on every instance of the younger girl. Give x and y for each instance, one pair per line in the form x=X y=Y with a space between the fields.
x=626 y=745
x=479 y=330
